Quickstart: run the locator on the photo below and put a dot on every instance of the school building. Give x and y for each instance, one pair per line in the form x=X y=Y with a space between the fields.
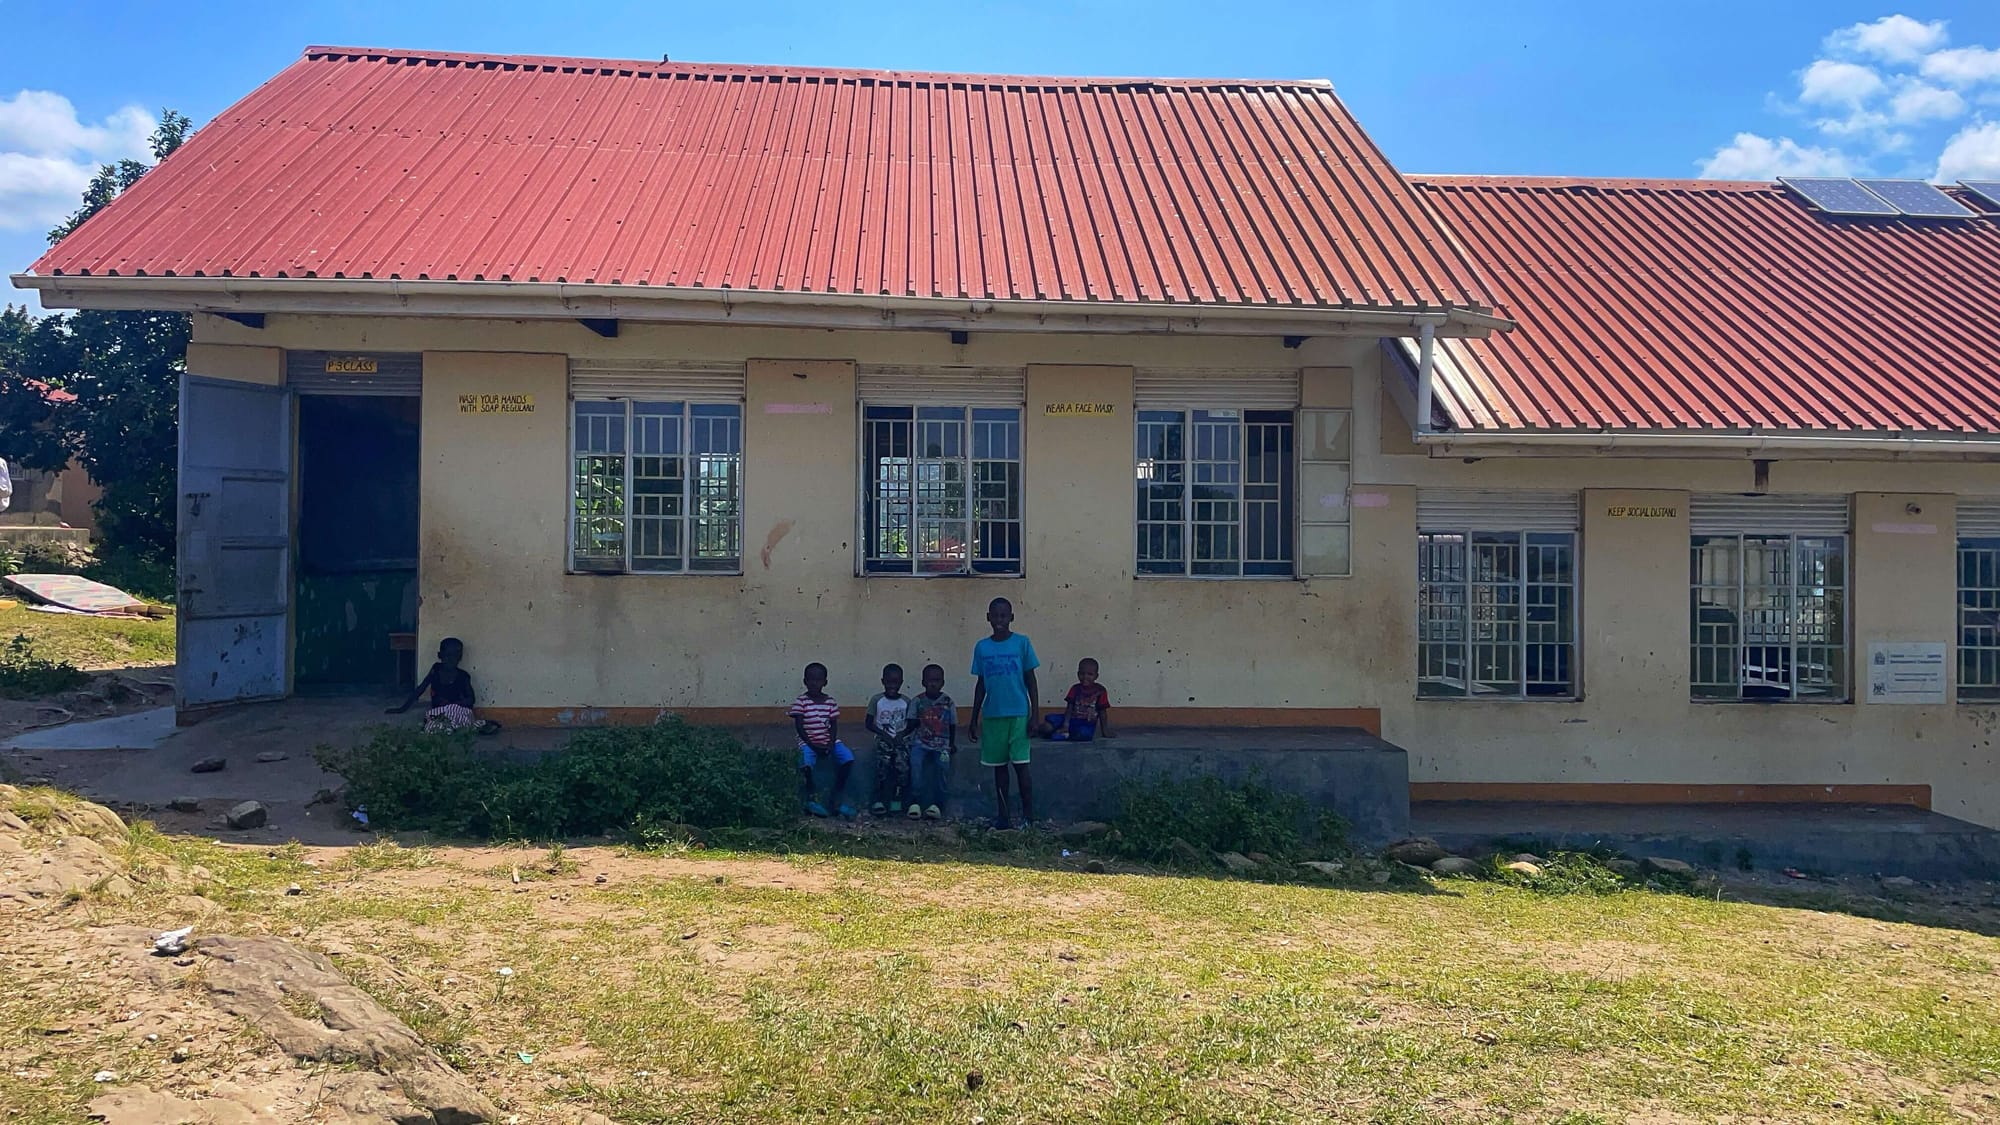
x=655 y=381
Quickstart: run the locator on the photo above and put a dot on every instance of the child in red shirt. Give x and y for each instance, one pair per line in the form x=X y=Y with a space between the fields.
x=1088 y=714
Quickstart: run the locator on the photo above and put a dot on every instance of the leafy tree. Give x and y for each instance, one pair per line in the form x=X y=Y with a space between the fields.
x=124 y=370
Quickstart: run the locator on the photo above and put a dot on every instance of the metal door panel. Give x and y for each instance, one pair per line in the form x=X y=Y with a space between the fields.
x=235 y=542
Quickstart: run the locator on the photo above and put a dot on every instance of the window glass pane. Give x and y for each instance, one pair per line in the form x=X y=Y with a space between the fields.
x=1769 y=617
x=1323 y=491
x=1979 y=620
x=943 y=490
x=1323 y=435
x=1323 y=548
x=598 y=487
x=1161 y=483
x=1441 y=615
x=887 y=437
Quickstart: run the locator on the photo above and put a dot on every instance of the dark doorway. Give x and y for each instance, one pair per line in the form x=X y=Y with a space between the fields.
x=357 y=571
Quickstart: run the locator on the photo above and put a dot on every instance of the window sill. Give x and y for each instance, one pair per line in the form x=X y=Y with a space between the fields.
x=654 y=573
x=945 y=575
x=1499 y=699
x=1842 y=702
x=1221 y=577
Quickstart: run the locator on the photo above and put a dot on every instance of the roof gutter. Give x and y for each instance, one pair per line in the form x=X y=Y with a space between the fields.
x=674 y=304
x=1606 y=441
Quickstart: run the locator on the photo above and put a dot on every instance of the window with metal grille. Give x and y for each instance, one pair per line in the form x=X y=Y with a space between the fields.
x=1979 y=620
x=1215 y=493
x=657 y=487
x=1496 y=614
x=1768 y=618
x=942 y=490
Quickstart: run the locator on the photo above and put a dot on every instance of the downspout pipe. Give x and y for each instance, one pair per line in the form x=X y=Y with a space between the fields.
x=1426 y=366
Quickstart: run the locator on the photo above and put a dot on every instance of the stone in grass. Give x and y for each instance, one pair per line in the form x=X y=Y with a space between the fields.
x=1331 y=868
x=270 y=756
x=1530 y=857
x=1660 y=865
x=1626 y=868
x=208 y=765
x=1901 y=882
x=1085 y=830
x=1184 y=853
x=1095 y=867
x=1455 y=865
x=249 y=814
x=184 y=804
x=1524 y=869
x=1237 y=862
x=1419 y=851
x=1259 y=858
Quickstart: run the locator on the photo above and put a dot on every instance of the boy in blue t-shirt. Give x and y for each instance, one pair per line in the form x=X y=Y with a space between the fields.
x=1003 y=706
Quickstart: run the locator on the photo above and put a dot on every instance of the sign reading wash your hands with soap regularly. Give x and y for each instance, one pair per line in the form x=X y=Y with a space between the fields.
x=496 y=404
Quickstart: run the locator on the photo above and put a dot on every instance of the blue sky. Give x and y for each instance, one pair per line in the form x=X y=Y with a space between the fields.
x=1741 y=90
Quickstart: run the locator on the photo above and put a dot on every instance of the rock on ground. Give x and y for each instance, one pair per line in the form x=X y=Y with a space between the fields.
x=1418 y=851
x=1237 y=862
x=1326 y=867
x=249 y=814
x=184 y=804
x=208 y=765
x=1660 y=865
x=1455 y=865
x=270 y=756
x=1629 y=868
x=1085 y=830
x=264 y=981
x=1525 y=869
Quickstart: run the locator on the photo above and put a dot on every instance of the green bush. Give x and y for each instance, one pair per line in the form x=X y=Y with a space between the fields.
x=26 y=674
x=641 y=780
x=1185 y=820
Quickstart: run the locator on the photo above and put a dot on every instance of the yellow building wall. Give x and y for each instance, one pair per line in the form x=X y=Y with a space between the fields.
x=496 y=496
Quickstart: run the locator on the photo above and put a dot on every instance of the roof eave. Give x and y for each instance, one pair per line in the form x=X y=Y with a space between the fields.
x=663 y=304
x=1745 y=443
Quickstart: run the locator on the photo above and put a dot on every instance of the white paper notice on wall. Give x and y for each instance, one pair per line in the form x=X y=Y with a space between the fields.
x=1906 y=672
x=1904 y=528
x=1370 y=500
x=798 y=408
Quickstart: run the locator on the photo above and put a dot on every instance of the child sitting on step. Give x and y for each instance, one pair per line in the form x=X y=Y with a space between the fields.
x=1087 y=714
x=451 y=694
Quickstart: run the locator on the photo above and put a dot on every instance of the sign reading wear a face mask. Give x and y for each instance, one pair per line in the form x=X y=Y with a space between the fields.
x=1906 y=672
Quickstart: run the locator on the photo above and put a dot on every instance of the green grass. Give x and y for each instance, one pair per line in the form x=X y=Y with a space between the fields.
x=90 y=642
x=751 y=986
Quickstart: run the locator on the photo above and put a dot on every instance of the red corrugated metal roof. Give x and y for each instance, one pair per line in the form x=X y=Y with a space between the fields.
x=1707 y=305
x=362 y=163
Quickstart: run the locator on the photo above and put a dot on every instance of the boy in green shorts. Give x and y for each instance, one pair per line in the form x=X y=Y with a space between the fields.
x=1003 y=706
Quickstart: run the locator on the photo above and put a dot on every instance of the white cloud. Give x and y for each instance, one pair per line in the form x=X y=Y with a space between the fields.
x=41 y=123
x=38 y=191
x=1827 y=82
x=1896 y=39
x=1963 y=66
x=48 y=154
x=1751 y=157
x=1917 y=102
x=1973 y=153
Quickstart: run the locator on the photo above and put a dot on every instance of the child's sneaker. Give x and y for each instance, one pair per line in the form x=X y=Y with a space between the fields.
x=876 y=809
x=916 y=811
x=1002 y=824
x=814 y=808
x=896 y=807
x=933 y=813
x=847 y=812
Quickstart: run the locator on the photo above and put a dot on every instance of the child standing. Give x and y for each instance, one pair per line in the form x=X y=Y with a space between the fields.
x=1003 y=706
x=888 y=718
x=816 y=718
x=934 y=723
x=1087 y=713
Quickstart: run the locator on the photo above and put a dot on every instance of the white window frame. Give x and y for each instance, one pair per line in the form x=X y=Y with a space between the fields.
x=690 y=524
x=1440 y=632
x=1753 y=682
x=975 y=523
x=1148 y=462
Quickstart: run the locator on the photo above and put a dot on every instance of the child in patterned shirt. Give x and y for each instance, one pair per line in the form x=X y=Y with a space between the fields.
x=934 y=719
x=816 y=718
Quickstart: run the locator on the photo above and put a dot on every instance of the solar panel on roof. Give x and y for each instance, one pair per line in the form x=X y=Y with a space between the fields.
x=1840 y=197
x=1918 y=199
x=1988 y=190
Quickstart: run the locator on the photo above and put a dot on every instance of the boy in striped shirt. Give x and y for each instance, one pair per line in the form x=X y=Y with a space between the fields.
x=816 y=718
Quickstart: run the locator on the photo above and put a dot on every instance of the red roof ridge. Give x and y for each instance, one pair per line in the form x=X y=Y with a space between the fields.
x=1602 y=183
x=768 y=71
